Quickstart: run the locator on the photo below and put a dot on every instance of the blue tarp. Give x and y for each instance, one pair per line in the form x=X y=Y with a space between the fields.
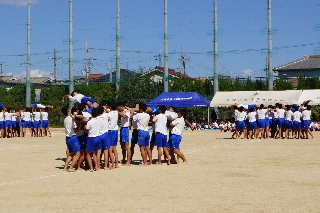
x=180 y=100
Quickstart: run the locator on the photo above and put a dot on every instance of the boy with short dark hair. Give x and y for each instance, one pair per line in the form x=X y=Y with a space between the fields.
x=176 y=134
x=142 y=119
x=71 y=140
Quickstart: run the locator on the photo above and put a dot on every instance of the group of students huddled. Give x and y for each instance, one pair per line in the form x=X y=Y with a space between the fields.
x=91 y=130
x=279 y=121
x=14 y=123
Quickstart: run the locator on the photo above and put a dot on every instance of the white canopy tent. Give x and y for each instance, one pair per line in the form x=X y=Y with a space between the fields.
x=265 y=97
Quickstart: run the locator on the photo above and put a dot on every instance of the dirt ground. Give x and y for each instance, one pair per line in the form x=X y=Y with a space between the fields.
x=223 y=175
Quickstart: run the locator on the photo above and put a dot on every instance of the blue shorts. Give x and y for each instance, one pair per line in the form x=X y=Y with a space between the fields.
x=134 y=136
x=253 y=125
x=8 y=124
x=240 y=125
x=73 y=144
x=288 y=124
x=13 y=124
x=275 y=122
x=281 y=122
x=2 y=125
x=45 y=124
x=82 y=141
x=124 y=134
x=306 y=124
x=113 y=135
x=27 y=124
x=105 y=139
x=153 y=138
x=161 y=140
x=296 y=125
x=99 y=144
x=175 y=141
x=36 y=124
x=143 y=138
x=92 y=144
x=261 y=123
x=268 y=122
x=18 y=123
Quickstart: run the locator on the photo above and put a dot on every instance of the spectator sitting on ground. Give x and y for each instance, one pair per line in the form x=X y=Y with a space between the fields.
x=223 y=126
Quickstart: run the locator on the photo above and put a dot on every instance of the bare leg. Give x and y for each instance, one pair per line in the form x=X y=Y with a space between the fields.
x=166 y=153
x=132 y=150
x=89 y=155
x=106 y=159
x=127 y=148
x=159 y=155
x=74 y=161
x=180 y=154
x=115 y=156
x=143 y=155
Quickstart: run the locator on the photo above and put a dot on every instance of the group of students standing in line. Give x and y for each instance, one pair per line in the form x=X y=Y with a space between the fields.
x=14 y=123
x=278 y=121
x=91 y=130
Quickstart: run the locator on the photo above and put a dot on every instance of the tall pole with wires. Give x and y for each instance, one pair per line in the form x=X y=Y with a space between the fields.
x=118 y=47
x=71 y=82
x=215 y=49
x=270 y=74
x=165 y=77
x=28 y=78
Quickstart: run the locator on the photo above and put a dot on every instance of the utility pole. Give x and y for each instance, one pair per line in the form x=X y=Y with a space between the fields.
x=215 y=49
x=165 y=77
x=182 y=60
x=87 y=70
x=1 y=63
x=71 y=83
x=55 y=65
x=270 y=74
x=28 y=78
x=158 y=57
x=118 y=47
x=110 y=70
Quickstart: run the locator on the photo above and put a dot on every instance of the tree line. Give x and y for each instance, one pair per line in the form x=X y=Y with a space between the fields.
x=138 y=88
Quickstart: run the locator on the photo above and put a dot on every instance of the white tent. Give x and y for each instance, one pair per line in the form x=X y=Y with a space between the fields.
x=313 y=95
x=265 y=97
x=229 y=98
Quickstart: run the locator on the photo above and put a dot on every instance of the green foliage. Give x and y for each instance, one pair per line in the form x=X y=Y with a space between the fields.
x=315 y=112
x=281 y=84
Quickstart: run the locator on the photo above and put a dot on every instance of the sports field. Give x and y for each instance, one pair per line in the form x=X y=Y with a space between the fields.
x=222 y=175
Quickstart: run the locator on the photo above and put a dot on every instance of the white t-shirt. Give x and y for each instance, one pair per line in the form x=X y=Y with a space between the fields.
x=69 y=125
x=297 y=116
x=289 y=115
x=160 y=124
x=306 y=115
x=179 y=125
x=1 y=116
x=125 y=121
x=13 y=117
x=252 y=116
x=275 y=114
x=26 y=116
x=240 y=116
x=113 y=120
x=104 y=123
x=281 y=113
x=142 y=121
x=76 y=98
x=262 y=113
x=270 y=114
x=93 y=127
x=171 y=115
x=7 y=116
x=36 y=116
x=44 y=116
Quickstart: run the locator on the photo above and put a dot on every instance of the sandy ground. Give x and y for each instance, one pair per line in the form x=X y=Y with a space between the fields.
x=223 y=175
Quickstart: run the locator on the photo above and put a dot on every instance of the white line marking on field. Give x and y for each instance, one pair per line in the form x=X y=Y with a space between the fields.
x=35 y=178
x=17 y=147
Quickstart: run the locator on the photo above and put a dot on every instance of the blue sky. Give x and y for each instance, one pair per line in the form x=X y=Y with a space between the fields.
x=242 y=34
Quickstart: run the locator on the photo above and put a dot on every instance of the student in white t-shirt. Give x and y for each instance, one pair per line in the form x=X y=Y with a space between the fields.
x=73 y=151
x=142 y=119
x=45 y=121
x=113 y=117
x=160 y=125
x=306 y=117
x=2 y=126
x=124 y=114
x=93 y=128
x=176 y=136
